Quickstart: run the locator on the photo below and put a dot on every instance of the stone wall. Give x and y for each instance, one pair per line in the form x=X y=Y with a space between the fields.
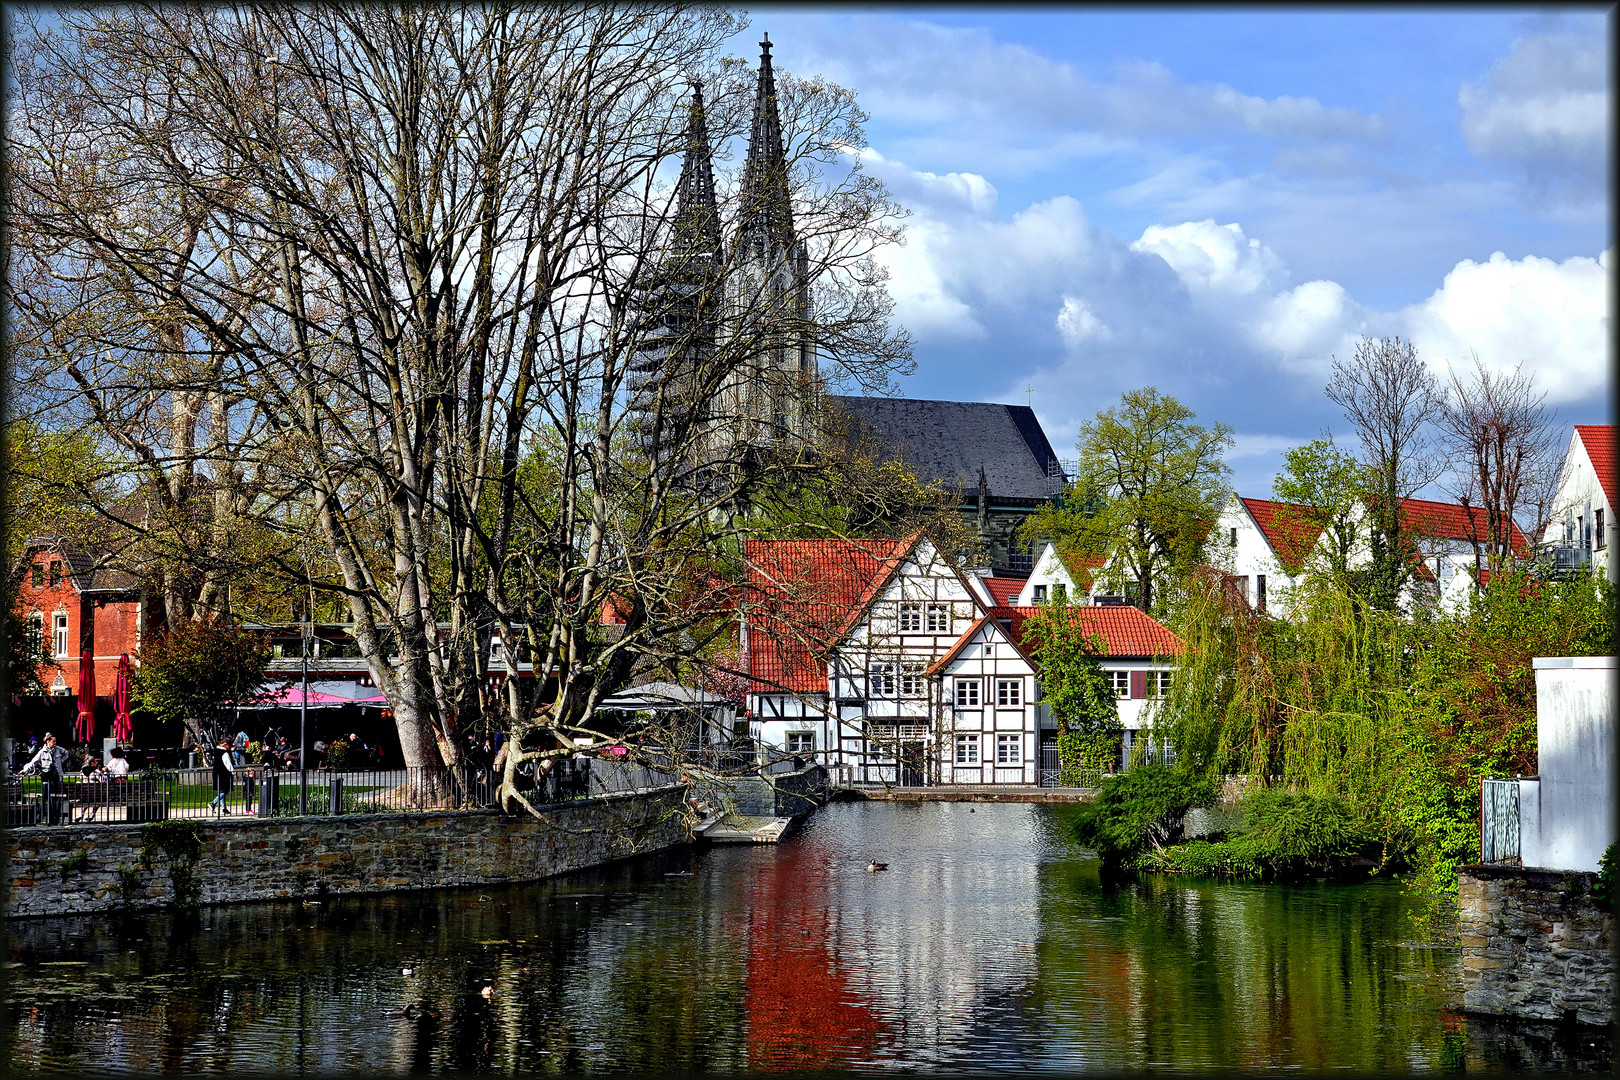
x=1536 y=945
x=72 y=870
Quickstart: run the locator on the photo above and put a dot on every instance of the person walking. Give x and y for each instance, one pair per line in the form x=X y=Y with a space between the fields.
x=224 y=773
x=52 y=763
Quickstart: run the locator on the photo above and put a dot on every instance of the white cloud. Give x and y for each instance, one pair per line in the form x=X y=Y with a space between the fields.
x=1077 y=323
x=1306 y=325
x=1545 y=106
x=1252 y=445
x=1212 y=258
x=1553 y=317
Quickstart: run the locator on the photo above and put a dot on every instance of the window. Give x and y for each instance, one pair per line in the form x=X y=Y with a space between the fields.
x=1260 y=591
x=967 y=693
x=1007 y=749
x=910 y=618
x=37 y=576
x=1231 y=538
x=912 y=683
x=34 y=632
x=967 y=749
x=59 y=636
x=1121 y=682
x=1580 y=532
x=939 y=618
x=880 y=681
x=1597 y=524
x=801 y=742
x=1060 y=591
x=56 y=574
x=1040 y=592
x=1009 y=691
x=1158 y=683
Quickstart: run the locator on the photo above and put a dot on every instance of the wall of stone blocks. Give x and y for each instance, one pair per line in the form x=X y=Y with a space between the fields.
x=1536 y=945
x=76 y=870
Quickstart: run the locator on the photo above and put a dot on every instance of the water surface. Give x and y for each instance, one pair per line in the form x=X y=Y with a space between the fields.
x=990 y=944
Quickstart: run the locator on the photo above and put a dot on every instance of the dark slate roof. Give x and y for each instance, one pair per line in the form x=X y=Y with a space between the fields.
x=88 y=572
x=948 y=441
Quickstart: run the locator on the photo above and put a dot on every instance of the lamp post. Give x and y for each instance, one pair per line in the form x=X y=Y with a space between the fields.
x=303 y=725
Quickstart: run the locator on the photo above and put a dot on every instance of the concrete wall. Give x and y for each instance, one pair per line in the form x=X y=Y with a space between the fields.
x=67 y=870
x=1536 y=945
x=1575 y=749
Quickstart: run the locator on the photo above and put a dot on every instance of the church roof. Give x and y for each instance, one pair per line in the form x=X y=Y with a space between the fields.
x=949 y=441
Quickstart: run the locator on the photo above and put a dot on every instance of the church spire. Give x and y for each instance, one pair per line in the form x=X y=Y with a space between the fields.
x=697 y=215
x=767 y=210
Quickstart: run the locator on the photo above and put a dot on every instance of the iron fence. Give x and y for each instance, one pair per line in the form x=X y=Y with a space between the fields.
x=1499 y=822
x=259 y=791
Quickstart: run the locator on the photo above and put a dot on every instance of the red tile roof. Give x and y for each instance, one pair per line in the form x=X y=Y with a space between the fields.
x=1286 y=527
x=1600 y=447
x=1004 y=590
x=800 y=594
x=1082 y=569
x=1450 y=521
x=1125 y=631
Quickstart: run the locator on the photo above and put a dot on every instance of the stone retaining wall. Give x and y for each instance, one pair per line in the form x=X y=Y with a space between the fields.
x=1535 y=945
x=75 y=870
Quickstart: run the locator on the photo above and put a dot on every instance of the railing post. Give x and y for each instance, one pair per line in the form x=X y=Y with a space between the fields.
x=334 y=795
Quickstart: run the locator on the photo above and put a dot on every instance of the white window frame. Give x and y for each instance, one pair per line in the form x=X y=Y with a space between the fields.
x=880 y=681
x=967 y=693
x=1009 y=749
x=967 y=749
x=1156 y=683
x=913 y=683
x=1121 y=683
x=1009 y=693
x=59 y=635
x=937 y=618
x=910 y=618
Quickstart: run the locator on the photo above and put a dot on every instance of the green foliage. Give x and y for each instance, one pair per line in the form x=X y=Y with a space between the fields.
x=1603 y=887
x=1287 y=835
x=337 y=753
x=1141 y=809
x=1075 y=689
x=1149 y=483
x=195 y=672
x=1320 y=487
x=181 y=842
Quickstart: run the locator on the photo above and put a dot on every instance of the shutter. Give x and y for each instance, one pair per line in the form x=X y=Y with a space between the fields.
x=1138 y=684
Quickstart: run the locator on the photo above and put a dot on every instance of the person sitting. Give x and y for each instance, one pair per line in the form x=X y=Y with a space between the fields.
x=117 y=764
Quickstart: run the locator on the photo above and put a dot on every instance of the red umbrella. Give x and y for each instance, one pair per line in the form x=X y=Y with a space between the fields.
x=123 y=727
x=84 y=728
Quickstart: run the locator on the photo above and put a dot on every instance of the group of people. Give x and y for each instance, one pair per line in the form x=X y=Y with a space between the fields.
x=53 y=762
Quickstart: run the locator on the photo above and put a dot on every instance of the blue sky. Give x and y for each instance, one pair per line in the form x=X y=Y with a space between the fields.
x=1218 y=201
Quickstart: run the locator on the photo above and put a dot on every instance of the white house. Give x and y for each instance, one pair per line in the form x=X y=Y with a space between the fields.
x=1056 y=578
x=986 y=714
x=1582 y=531
x=1262 y=543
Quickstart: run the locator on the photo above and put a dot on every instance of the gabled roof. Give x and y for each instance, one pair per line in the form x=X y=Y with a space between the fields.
x=1125 y=631
x=800 y=593
x=1286 y=527
x=87 y=572
x=967 y=637
x=1003 y=590
x=1600 y=448
x=949 y=441
x=1451 y=521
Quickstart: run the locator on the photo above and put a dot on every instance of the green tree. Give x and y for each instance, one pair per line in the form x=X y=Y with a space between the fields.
x=1075 y=689
x=1320 y=488
x=195 y=673
x=1143 y=809
x=1149 y=487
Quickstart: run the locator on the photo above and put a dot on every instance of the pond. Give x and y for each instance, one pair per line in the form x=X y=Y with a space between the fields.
x=989 y=944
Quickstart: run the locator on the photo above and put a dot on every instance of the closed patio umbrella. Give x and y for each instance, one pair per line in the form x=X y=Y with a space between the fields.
x=123 y=726
x=84 y=728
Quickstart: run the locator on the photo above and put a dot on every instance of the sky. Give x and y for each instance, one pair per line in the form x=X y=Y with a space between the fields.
x=1217 y=202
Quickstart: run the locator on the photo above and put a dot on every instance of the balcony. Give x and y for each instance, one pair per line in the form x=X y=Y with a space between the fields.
x=1570 y=557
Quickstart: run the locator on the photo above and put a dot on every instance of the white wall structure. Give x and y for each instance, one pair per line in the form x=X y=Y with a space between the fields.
x=1051 y=579
x=1567 y=819
x=1582 y=530
x=986 y=708
x=1245 y=544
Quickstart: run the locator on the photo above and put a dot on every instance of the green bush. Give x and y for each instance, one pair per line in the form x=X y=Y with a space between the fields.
x=337 y=752
x=1603 y=887
x=1287 y=835
x=1140 y=810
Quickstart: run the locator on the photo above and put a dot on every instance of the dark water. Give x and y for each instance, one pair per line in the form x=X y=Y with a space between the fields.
x=989 y=945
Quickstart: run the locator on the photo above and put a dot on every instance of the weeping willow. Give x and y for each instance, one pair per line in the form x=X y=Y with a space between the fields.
x=1315 y=703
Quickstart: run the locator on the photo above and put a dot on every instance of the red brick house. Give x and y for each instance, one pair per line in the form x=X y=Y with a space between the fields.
x=75 y=605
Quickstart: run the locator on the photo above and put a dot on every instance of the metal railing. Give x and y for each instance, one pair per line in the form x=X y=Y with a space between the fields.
x=261 y=791
x=1499 y=822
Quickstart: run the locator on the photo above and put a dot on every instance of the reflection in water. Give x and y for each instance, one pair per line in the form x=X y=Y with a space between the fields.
x=990 y=943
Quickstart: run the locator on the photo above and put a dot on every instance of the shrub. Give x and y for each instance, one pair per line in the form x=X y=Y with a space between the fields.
x=1143 y=809
x=1295 y=833
x=337 y=752
x=1603 y=887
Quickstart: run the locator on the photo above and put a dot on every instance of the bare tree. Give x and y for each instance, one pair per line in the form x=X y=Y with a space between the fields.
x=377 y=274
x=1506 y=451
x=1391 y=398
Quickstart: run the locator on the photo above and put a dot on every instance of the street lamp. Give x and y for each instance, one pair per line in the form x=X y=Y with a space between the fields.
x=306 y=631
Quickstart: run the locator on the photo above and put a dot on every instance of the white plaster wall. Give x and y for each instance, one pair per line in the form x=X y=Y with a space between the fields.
x=1048 y=571
x=1579 y=493
x=1575 y=747
x=1251 y=557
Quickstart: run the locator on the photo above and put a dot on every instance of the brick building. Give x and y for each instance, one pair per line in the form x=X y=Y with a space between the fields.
x=76 y=604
